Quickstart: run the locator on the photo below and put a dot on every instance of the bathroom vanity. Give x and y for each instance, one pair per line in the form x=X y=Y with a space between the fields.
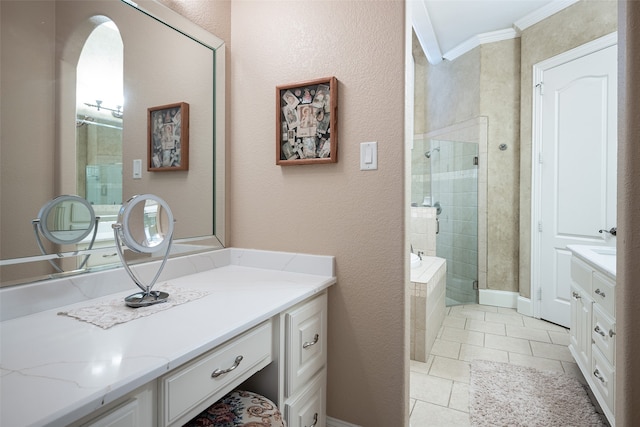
x=593 y=320
x=261 y=325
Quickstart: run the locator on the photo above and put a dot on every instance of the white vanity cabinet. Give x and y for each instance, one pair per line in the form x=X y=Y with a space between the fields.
x=184 y=392
x=305 y=364
x=592 y=334
x=254 y=326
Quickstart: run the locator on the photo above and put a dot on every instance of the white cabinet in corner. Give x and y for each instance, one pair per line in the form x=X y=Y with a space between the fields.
x=592 y=334
x=305 y=363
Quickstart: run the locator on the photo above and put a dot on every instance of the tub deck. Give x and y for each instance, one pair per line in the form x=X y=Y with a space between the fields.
x=427 y=294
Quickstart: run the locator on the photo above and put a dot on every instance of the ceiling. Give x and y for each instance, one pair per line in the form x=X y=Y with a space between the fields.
x=448 y=28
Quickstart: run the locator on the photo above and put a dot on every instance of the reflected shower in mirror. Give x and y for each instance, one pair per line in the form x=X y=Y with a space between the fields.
x=99 y=113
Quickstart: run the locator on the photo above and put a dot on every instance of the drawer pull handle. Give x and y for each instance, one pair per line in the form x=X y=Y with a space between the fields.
x=109 y=255
x=219 y=372
x=599 y=292
x=599 y=376
x=599 y=331
x=576 y=295
x=309 y=344
x=315 y=419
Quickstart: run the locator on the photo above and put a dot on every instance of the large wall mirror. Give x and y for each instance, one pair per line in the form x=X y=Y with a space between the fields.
x=77 y=80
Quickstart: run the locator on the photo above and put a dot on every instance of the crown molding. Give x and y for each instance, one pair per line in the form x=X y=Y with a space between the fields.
x=477 y=40
x=431 y=47
x=424 y=31
x=542 y=14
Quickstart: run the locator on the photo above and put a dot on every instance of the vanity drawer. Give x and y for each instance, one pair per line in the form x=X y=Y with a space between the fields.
x=603 y=376
x=603 y=333
x=191 y=388
x=604 y=293
x=309 y=408
x=581 y=274
x=306 y=337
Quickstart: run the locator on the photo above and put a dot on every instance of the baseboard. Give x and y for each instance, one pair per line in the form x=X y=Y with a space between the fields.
x=332 y=422
x=525 y=307
x=498 y=298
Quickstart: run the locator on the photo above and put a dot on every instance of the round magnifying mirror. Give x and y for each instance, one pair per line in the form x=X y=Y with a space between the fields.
x=66 y=219
x=147 y=223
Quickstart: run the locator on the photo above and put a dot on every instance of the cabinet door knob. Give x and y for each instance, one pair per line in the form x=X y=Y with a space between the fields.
x=599 y=331
x=576 y=295
x=310 y=343
x=599 y=292
x=599 y=376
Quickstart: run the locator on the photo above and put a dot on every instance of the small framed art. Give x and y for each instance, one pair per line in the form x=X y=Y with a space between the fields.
x=168 y=137
x=306 y=122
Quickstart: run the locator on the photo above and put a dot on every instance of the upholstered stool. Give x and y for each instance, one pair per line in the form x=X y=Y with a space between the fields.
x=240 y=408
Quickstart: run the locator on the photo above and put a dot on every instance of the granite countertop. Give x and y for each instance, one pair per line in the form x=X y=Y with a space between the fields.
x=55 y=369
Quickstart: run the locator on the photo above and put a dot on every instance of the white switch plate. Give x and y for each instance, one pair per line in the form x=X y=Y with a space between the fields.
x=137 y=169
x=368 y=156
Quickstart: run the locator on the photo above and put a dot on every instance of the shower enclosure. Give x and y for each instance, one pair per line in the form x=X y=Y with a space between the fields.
x=445 y=174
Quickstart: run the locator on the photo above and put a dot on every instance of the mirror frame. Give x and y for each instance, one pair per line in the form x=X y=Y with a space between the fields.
x=125 y=221
x=166 y=16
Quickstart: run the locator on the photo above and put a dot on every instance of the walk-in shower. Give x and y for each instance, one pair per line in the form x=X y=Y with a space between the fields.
x=444 y=175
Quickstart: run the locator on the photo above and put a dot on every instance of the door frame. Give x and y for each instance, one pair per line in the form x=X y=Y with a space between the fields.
x=536 y=129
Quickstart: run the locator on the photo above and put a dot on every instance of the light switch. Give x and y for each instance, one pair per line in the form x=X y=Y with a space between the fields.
x=368 y=156
x=137 y=169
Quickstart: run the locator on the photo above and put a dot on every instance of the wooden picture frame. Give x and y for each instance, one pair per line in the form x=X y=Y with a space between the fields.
x=168 y=137
x=306 y=122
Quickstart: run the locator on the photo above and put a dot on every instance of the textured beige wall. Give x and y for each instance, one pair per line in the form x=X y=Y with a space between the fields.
x=326 y=209
x=331 y=209
x=500 y=103
x=572 y=27
x=21 y=106
x=452 y=91
x=420 y=69
x=627 y=392
x=485 y=82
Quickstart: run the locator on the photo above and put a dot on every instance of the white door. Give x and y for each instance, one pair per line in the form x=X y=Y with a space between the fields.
x=576 y=150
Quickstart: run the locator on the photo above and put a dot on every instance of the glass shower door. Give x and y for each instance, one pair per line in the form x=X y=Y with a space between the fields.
x=454 y=192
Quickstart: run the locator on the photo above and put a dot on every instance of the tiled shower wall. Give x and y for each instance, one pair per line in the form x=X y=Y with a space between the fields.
x=423 y=230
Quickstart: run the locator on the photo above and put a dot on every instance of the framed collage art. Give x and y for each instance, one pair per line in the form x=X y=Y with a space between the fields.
x=306 y=117
x=168 y=137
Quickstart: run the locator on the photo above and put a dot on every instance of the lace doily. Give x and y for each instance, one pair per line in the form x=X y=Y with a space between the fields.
x=110 y=313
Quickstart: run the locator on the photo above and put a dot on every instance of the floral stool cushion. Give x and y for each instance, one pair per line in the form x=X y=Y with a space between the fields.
x=240 y=409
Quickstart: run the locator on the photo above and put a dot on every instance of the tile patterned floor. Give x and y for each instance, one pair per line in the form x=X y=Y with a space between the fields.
x=440 y=387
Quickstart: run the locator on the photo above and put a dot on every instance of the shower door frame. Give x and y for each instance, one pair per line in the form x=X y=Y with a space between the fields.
x=476 y=131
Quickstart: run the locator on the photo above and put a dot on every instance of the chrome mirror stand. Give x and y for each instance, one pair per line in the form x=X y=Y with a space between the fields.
x=36 y=226
x=147 y=296
x=155 y=236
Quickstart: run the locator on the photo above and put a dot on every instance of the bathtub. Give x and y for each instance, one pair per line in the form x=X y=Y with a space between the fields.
x=427 y=291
